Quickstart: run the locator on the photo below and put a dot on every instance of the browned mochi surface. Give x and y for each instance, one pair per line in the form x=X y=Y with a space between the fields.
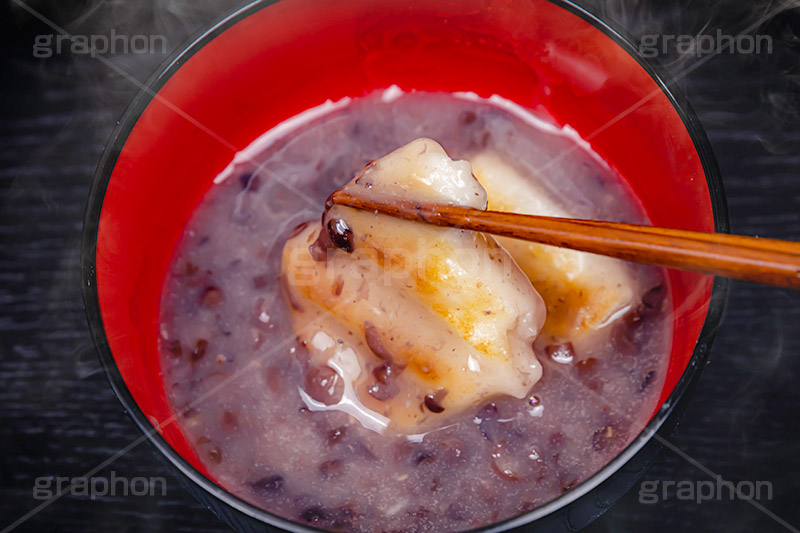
x=405 y=323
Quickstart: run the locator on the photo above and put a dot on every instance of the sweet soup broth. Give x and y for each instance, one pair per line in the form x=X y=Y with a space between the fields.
x=237 y=373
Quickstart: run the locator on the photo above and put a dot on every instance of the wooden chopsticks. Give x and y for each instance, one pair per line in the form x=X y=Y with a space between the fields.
x=768 y=261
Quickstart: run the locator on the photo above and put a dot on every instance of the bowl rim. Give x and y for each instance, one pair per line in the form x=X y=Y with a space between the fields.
x=171 y=65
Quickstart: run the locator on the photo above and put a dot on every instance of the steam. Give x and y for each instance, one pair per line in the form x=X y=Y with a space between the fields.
x=776 y=117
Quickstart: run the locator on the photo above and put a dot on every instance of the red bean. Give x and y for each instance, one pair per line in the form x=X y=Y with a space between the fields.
x=320 y=248
x=603 y=438
x=324 y=385
x=387 y=372
x=211 y=297
x=341 y=235
x=451 y=450
x=331 y=469
x=467 y=118
x=423 y=457
x=268 y=484
x=199 y=350
x=434 y=401
x=513 y=463
x=215 y=455
x=586 y=365
x=383 y=391
x=648 y=379
x=313 y=515
x=336 y=435
x=249 y=182
x=229 y=421
x=287 y=289
x=174 y=347
x=298 y=229
x=653 y=301
x=373 y=338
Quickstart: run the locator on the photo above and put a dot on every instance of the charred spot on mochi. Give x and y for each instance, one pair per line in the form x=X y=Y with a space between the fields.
x=267 y=485
x=211 y=297
x=340 y=234
x=434 y=401
x=199 y=350
x=190 y=269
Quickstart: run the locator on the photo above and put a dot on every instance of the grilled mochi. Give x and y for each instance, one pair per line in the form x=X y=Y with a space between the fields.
x=583 y=292
x=406 y=322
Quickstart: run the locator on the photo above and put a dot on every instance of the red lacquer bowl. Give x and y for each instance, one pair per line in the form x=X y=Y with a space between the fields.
x=272 y=60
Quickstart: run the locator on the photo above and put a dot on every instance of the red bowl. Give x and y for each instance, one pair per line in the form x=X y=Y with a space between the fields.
x=270 y=61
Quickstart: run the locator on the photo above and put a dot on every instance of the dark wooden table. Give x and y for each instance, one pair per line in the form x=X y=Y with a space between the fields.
x=58 y=416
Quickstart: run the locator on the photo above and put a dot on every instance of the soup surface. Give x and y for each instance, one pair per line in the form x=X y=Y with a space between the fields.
x=234 y=366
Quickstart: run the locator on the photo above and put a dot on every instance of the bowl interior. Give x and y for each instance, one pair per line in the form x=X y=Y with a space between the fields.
x=269 y=64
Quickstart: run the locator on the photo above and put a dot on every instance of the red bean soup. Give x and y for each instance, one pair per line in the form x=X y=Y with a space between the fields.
x=290 y=434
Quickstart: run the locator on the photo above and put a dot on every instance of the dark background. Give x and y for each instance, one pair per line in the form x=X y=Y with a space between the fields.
x=58 y=415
